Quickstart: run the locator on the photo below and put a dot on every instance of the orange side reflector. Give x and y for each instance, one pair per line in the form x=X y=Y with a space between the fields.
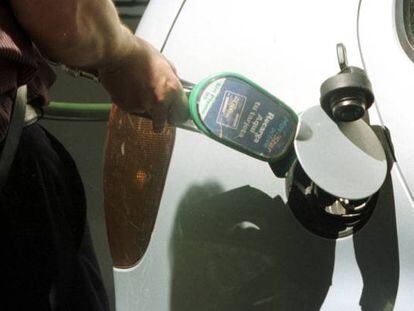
x=135 y=169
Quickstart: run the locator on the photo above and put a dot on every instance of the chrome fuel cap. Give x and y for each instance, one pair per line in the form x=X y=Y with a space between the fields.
x=345 y=159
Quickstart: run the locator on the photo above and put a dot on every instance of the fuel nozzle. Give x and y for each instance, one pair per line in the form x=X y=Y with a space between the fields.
x=346 y=96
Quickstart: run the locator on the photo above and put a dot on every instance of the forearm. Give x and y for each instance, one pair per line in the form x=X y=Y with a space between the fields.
x=89 y=35
x=80 y=33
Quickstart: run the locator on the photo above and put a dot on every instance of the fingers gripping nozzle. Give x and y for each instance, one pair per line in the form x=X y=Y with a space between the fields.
x=346 y=96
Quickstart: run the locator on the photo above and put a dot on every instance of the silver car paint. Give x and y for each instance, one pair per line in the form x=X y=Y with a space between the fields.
x=288 y=47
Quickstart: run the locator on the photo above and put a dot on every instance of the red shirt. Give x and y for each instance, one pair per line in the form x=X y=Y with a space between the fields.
x=20 y=63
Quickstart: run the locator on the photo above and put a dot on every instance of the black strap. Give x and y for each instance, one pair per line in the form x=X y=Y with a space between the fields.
x=13 y=134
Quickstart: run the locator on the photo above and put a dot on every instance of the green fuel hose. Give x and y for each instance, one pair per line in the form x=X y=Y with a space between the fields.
x=62 y=111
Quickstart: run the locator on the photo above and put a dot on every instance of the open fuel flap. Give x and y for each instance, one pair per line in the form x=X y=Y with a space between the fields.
x=341 y=163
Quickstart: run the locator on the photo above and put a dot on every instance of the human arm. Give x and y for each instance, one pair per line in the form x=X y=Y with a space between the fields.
x=88 y=34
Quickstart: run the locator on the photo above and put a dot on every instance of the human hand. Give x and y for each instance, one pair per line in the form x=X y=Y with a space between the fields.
x=141 y=80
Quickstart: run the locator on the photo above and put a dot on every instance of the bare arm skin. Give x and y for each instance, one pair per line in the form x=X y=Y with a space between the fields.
x=89 y=35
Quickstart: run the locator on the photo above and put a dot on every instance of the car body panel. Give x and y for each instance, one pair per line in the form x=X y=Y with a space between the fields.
x=157 y=21
x=289 y=49
x=391 y=73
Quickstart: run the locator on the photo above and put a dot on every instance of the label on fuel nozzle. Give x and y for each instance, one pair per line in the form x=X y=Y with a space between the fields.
x=244 y=116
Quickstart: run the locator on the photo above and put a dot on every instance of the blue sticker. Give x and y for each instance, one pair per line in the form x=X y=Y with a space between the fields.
x=247 y=118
